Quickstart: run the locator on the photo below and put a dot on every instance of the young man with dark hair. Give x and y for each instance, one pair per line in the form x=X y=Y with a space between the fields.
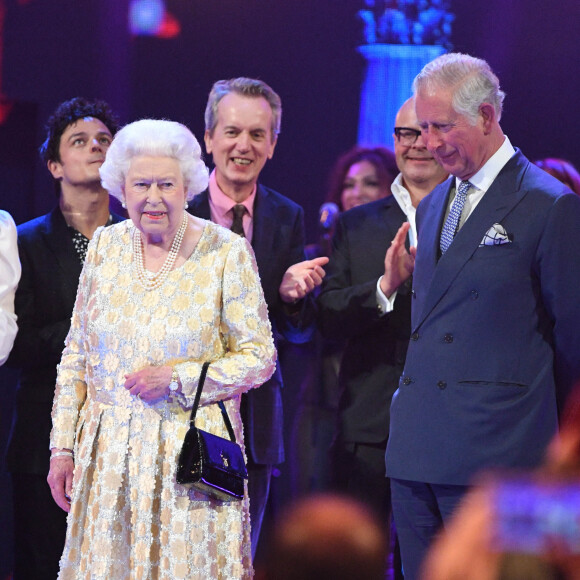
x=52 y=249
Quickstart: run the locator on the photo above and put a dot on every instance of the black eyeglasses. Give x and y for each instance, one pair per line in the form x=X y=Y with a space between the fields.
x=407 y=136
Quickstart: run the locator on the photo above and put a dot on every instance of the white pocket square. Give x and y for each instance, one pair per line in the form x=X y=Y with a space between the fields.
x=495 y=236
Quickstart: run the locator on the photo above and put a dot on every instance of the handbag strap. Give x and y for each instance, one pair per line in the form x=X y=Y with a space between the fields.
x=227 y=422
x=220 y=403
x=198 y=393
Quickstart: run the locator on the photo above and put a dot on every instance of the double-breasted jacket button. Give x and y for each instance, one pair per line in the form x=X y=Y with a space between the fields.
x=448 y=338
x=407 y=380
x=442 y=385
x=415 y=336
x=474 y=294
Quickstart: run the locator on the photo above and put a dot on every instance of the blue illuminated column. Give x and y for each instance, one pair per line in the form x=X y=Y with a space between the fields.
x=390 y=70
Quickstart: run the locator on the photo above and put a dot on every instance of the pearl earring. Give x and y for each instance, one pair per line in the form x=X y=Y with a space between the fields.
x=123 y=205
x=186 y=205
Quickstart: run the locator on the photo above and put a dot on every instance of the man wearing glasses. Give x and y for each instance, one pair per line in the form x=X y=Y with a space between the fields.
x=419 y=172
x=362 y=302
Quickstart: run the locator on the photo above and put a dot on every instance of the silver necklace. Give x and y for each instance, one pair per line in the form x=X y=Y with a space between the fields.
x=149 y=280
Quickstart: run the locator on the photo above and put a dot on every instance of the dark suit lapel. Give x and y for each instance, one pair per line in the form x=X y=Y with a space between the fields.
x=428 y=245
x=431 y=225
x=497 y=202
x=199 y=206
x=391 y=215
x=263 y=220
x=264 y=216
x=57 y=239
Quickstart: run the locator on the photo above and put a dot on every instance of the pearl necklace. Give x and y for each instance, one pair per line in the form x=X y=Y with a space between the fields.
x=150 y=280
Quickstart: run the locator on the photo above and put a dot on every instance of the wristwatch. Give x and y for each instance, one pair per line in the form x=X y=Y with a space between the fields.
x=174 y=384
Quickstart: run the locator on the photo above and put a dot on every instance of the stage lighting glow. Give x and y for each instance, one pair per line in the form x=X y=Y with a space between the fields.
x=146 y=17
x=398 y=39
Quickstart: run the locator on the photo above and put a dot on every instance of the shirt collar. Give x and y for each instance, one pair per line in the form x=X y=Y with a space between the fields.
x=485 y=176
x=221 y=204
x=402 y=195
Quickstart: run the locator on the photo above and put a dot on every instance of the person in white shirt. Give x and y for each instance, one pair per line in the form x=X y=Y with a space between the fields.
x=419 y=174
x=9 y=276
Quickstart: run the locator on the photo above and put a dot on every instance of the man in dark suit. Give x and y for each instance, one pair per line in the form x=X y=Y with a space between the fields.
x=52 y=250
x=495 y=316
x=353 y=305
x=242 y=123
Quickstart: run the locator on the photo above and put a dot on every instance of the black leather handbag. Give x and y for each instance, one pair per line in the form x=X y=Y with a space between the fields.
x=211 y=464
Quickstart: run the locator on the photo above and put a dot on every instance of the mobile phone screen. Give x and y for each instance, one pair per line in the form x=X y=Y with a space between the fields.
x=533 y=516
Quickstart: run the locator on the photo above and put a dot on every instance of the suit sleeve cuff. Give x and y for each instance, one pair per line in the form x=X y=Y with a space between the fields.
x=384 y=304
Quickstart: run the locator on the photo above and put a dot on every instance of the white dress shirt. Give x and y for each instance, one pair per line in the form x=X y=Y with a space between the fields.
x=9 y=277
x=480 y=183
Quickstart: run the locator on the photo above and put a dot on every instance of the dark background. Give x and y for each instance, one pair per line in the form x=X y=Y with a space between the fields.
x=306 y=50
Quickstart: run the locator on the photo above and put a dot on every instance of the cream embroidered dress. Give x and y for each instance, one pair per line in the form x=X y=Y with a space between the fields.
x=129 y=518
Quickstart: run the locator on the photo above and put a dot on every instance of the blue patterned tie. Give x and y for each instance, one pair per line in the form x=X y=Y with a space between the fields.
x=452 y=221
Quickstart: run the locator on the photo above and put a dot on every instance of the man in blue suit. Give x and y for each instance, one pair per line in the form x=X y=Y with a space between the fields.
x=495 y=337
x=242 y=122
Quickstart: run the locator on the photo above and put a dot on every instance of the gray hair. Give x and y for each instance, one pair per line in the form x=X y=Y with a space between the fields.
x=246 y=87
x=471 y=80
x=157 y=138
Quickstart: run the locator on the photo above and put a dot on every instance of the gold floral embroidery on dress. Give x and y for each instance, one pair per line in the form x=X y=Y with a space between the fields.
x=129 y=518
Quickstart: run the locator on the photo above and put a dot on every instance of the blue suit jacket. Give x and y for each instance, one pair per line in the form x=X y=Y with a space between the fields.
x=278 y=243
x=495 y=343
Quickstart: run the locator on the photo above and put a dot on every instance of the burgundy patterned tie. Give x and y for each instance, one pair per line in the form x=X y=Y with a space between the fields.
x=238 y=224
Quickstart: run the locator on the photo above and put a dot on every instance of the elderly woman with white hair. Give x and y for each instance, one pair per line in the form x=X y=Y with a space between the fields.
x=159 y=294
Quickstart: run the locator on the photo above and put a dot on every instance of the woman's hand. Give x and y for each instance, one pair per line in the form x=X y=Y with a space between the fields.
x=150 y=383
x=60 y=478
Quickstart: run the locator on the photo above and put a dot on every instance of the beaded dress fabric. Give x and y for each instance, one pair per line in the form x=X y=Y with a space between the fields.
x=129 y=518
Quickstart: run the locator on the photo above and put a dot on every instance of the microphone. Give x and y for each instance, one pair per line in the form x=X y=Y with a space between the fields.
x=327 y=216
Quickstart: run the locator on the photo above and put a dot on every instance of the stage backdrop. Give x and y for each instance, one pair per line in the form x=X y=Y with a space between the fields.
x=52 y=50
x=306 y=49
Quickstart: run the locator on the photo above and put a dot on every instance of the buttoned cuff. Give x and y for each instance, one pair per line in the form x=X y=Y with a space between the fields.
x=384 y=304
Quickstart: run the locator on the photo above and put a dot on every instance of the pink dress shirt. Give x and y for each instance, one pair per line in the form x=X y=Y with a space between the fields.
x=221 y=208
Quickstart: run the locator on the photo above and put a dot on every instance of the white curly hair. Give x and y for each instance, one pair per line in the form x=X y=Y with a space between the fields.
x=156 y=138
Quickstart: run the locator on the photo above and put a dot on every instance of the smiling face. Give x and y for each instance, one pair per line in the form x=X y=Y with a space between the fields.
x=361 y=185
x=415 y=162
x=82 y=150
x=240 y=143
x=155 y=196
x=460 y=147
